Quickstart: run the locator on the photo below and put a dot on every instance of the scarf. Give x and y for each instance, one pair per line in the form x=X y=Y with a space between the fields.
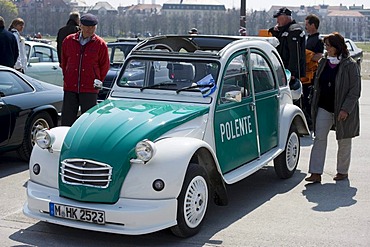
x=334 y=60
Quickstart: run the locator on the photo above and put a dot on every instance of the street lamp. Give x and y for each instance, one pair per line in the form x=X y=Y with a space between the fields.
x=242 y=29
x=35 y=6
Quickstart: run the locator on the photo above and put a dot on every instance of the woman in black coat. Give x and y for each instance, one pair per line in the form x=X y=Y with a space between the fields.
x=335 y=105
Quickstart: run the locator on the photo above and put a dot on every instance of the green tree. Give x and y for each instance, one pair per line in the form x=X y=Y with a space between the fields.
x=8 y=11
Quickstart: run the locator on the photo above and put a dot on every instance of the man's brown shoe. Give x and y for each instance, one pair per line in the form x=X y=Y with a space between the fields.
x=340 y=176
x=315 y=178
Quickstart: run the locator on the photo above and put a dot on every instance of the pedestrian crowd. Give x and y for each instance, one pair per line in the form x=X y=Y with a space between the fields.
x=331 y=87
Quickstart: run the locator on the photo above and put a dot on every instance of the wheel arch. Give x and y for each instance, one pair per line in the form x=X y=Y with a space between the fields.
x=50 y=109
x=204 y=158
x=289 y=115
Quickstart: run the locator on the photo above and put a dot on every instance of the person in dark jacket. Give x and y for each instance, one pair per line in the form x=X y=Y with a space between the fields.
x=335 y=105
x=84 y=59
x=8 y=46
x=71 y=27
x=291 y=46
x=314 y=52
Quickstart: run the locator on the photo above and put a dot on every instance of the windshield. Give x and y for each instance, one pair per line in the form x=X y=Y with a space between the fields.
x=170 y=75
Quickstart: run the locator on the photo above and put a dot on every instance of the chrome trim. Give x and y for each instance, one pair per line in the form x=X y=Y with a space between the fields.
x=85 y=172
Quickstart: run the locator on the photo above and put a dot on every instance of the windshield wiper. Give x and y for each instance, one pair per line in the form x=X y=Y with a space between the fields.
x=194 y=86
x=159 y=85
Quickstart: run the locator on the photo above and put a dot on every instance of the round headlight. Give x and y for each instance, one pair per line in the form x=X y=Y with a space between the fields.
x=44 y=139
x=145 y=150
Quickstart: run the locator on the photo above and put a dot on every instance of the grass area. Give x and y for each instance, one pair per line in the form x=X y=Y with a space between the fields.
x=365 y=46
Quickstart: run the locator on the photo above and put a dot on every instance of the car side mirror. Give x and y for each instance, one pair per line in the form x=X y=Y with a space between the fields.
x=34 y=60
x=234 y=96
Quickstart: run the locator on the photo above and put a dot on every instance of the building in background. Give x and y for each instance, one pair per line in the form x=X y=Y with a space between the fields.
x=178 y=16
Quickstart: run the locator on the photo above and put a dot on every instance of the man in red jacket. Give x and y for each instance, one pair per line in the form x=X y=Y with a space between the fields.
x=84 y=59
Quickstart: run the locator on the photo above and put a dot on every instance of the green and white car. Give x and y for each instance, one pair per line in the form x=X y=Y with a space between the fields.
x=187 y=116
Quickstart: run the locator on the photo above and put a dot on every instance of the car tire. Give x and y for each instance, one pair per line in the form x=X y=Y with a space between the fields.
x=192 y=202
x=39 y=121
x=286 y=163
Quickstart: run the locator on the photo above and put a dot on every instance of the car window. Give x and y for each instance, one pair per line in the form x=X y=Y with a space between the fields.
x=279 y=69
x=116 y=55
x=55 y=56
x=349 y=45
x=28 y=48
x=261 y=72
x=44 y=54
x=235 y=78
x=169 y=75
x=11 y=84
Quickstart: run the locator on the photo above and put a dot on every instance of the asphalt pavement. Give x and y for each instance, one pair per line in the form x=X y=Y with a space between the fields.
x=263 y=210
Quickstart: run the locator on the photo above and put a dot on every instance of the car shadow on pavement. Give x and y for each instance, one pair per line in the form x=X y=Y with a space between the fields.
x=244 y=197
x=11 y=164
x=330 y=196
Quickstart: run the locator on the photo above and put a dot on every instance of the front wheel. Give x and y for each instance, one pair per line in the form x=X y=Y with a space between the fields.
x=286 y=163
x=192 y=202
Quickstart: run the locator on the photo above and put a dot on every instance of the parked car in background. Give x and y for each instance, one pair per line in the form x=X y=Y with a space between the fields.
x=186 y=116
x=43 y=63
x=118 y=51
x=355 y=52
x=26 y=106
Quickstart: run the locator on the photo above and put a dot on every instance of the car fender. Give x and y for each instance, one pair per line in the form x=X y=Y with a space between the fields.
x=53 y=112
x=169 y=164
x=291 y=114
x=48 y=160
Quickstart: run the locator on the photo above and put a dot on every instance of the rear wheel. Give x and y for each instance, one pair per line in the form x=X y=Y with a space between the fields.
x=40 y=121
x=286 y=163
x=192 y=202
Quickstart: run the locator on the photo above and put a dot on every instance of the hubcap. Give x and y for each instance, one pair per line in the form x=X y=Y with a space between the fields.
x=195 y=203
x=292 y=151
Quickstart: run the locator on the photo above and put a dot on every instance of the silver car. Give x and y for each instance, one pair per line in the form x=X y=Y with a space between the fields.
x=43 y=63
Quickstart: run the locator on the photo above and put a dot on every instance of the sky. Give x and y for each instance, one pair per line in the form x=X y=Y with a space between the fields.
x=250 y=4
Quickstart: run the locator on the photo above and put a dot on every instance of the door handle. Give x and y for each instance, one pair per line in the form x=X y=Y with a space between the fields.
x=252 y=106
x=54 y=68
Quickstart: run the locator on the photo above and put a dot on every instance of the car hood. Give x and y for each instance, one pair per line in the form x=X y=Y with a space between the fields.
x=108 y=134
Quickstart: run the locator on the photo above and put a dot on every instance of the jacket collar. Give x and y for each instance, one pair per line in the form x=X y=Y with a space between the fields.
x=76 y=36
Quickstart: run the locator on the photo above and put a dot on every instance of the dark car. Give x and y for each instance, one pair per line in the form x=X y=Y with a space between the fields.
x=26 y=106
x=355 y=52
x=118 y=51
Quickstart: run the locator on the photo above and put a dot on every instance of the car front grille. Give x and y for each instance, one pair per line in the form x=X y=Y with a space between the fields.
x=86 y=173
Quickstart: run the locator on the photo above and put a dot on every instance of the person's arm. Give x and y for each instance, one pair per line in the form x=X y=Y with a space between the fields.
x=104 y=63
x=59 y=46
x=354 y=91
x=274 y=31
x=293 y=49
x=319 y=50
x=64 y=53
x=15 y=49
x=18 y=63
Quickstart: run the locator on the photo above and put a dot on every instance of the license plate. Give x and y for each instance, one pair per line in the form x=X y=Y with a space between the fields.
x=75 y=213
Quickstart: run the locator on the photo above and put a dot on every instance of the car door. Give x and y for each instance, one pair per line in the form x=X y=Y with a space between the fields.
x=43 y=64
x=14 y=104
x=4 y=119
x=266 y=100
x=235 y=121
